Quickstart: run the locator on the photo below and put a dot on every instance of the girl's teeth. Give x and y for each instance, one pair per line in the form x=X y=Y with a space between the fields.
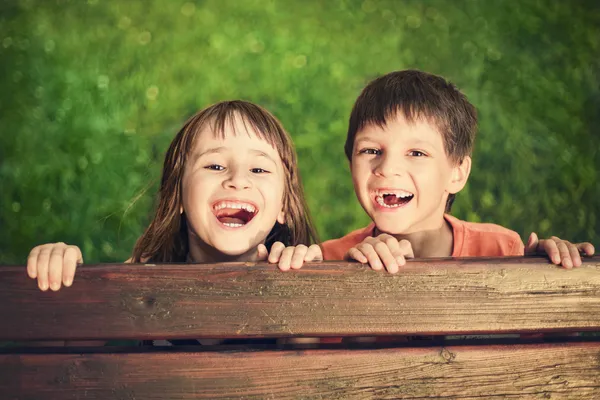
x=240 y=206
x=233 y=225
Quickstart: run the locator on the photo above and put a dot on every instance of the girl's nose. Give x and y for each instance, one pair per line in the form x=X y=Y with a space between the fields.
x=238 y=179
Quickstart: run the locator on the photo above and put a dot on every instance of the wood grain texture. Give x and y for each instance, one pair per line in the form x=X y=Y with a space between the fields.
x=540 y=371
x=442 y=296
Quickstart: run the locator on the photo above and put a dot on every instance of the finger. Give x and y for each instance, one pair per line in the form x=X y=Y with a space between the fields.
x=298 y=256
x=565 y=256
x=42 y=267
x=389 y=261
x=32 y=263
x=72 y=257
x=356 y=254
x=532 y=244
x=406 y=249
x=574 y=254
x=285 y=261
x=55 y=267
x=394 y=248
x=551 y=249
x=261 y=252
x=276 y=251
x=314 y=253
x=586 y=248
x=371 y=255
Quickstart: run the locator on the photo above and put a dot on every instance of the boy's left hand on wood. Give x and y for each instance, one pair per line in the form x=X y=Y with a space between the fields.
x=560 y=252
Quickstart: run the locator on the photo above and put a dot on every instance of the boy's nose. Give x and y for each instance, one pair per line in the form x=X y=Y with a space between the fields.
x=238 y=179
x=388 y=166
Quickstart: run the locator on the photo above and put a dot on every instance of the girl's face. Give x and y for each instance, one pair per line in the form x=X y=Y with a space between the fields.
x=232 y=190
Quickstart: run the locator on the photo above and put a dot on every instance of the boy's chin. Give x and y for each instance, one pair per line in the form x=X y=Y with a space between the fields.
x=391 y=227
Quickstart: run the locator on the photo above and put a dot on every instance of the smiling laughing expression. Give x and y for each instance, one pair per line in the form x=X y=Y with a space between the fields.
x=232 y=189
x=402 y=175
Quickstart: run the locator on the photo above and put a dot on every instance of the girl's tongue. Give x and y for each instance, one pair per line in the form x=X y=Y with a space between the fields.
x=234 y=216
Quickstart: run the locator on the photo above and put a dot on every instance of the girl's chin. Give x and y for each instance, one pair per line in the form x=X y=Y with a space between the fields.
x=239 y=252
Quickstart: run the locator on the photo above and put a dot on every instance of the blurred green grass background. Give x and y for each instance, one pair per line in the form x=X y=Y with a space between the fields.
x=92 y=92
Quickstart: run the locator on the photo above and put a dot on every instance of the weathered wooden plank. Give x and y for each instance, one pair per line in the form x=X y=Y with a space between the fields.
x=332 y=299
x=539 y=371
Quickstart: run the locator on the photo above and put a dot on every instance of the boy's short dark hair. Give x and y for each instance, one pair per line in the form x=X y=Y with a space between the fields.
x=417 y=95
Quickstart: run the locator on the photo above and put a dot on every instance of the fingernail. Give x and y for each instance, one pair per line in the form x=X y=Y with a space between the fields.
x=568 y=264
x=54 y=286
x=68 y=282
x=556 y=260
x=43 y=286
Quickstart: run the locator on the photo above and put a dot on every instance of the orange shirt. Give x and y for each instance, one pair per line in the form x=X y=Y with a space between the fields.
x=471 y=239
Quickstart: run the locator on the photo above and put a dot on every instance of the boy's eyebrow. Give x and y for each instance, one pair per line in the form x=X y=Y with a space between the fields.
x=365 y=139
x=411 y=141
x=421 y=141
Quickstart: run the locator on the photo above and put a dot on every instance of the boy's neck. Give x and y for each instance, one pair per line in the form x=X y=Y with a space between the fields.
x=437 y=242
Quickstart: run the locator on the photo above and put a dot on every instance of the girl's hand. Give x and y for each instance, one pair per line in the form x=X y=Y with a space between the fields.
x=560 y=252
x=53 y=264
x=382 y=251
x=293 y=256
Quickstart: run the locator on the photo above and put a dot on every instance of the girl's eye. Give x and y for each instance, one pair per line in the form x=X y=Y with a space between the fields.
x=215 y=167
x=259 y=171
x=416 y=153
x=375 y=152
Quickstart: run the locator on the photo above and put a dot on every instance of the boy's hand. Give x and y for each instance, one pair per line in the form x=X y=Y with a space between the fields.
x=293 y=256
x=53 y=264
x=382 y=251
x=560 y=252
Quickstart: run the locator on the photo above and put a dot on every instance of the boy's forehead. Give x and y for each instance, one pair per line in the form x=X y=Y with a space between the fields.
x=399 y=126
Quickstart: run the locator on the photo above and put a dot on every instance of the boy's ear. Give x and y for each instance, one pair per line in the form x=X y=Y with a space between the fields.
x=460 y=175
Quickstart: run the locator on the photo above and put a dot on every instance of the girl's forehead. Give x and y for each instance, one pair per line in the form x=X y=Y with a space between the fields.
x=235 y=139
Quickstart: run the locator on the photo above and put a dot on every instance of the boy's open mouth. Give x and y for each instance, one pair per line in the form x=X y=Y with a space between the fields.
x=393 y=198
x=234 y=214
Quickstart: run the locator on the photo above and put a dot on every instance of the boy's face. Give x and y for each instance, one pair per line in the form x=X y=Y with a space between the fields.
x=402 y=175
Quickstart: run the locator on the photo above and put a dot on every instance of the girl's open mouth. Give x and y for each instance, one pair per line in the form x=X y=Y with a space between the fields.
x=233 y=213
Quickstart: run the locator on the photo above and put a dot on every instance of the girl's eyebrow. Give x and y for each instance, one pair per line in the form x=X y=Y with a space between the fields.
x=263 y=154
x=223 y=148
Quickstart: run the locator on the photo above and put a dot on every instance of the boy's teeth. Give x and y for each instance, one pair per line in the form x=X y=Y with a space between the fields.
x=401 y=193
x=405 y=196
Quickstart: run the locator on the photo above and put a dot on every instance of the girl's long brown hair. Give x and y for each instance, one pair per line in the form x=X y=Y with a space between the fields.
x=166 y=238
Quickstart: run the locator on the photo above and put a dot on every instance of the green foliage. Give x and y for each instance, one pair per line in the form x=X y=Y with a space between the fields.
x=92 y=92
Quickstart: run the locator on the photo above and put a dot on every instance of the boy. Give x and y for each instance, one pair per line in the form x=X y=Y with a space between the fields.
x=409 y=143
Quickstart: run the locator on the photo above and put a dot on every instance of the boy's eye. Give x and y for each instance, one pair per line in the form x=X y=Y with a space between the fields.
x=215 y=167
x=375 y=152
x=259 y=171
x=416 y=153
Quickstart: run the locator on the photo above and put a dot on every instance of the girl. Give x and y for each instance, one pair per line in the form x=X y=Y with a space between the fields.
x=230 y=191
